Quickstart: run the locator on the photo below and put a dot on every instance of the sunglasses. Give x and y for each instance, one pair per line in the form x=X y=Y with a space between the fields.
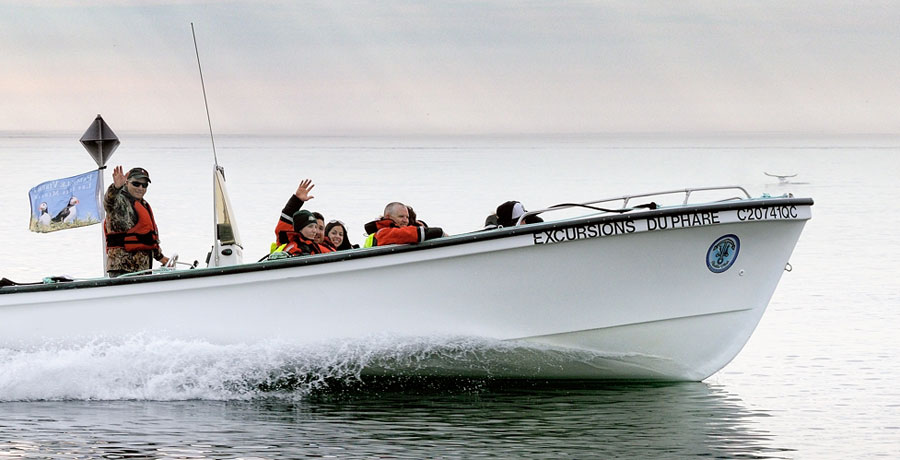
x=140 y=184
x=335 y=222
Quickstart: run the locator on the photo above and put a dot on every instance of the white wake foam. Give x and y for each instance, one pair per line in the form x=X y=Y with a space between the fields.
x=154 y=368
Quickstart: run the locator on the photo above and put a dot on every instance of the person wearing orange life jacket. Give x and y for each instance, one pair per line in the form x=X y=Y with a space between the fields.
x=285 y=225
x=324 y=245
x=132 y=238
x=394 y=228
x=301 y=241
x=295 y=202
x=336 y=236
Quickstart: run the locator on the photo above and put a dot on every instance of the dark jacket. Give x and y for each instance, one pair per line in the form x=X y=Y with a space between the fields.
x=286 y=220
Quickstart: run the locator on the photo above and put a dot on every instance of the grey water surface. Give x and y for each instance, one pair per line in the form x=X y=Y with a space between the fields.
x=816 y=380
x=460 y=420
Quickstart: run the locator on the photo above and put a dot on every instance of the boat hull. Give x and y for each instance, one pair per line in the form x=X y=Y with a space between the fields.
x=640 y=303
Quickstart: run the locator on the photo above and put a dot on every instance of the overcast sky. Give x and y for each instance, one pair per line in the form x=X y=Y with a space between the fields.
x=452 y=67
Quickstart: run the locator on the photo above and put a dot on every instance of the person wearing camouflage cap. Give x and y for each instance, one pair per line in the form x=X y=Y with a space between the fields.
x=132 y=238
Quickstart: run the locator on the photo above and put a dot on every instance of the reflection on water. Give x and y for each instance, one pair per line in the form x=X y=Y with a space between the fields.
x=405 y=418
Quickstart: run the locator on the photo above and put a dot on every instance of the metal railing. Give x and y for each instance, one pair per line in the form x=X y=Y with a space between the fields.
x=626 y=198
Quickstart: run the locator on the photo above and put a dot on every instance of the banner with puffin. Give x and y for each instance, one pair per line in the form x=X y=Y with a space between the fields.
x=65 y=203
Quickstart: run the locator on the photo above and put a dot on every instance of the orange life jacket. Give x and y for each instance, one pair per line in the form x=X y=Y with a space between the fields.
x=387 y=232
x=144 y=236
x=327 y=246
x=298 y=245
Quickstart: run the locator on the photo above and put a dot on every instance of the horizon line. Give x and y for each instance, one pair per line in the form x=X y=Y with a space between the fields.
x=433 y=134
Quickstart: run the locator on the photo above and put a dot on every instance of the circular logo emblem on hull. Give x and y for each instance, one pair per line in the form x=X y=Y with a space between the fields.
x=722 y=253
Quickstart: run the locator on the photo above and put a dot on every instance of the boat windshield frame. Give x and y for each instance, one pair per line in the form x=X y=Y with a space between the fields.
x=626 y=198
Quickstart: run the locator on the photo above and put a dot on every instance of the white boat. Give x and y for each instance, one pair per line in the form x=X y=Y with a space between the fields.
x=671 y=293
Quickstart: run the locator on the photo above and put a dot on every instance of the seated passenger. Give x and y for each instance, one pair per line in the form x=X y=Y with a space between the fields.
x=508 y=215
x=412 y=218
x=301 y=241
x=286 y=221
x=394 y=228
x=320 y=235
x=336 y=237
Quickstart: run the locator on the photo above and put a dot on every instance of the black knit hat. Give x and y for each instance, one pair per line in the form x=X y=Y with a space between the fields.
x=302 y=218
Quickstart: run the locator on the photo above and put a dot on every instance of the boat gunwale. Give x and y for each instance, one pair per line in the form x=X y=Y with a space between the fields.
x=463 y=238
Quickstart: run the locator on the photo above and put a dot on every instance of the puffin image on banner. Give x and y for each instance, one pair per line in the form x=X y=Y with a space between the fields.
x=44 y=220
x=67 y=214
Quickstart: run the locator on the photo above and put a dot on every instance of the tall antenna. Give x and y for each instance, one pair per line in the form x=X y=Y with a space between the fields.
x=205 y=103
x=226 y=249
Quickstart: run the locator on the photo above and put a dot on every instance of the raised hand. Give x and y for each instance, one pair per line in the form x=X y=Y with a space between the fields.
x=118 y=176
x=303 y=190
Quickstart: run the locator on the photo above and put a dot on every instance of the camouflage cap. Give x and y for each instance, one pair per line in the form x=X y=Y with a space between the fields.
x=138 y=173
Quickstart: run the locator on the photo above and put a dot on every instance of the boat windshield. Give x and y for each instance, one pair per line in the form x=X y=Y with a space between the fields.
x=226 y=226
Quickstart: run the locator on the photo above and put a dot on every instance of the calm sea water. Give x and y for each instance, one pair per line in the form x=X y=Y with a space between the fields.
x=817 y=379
